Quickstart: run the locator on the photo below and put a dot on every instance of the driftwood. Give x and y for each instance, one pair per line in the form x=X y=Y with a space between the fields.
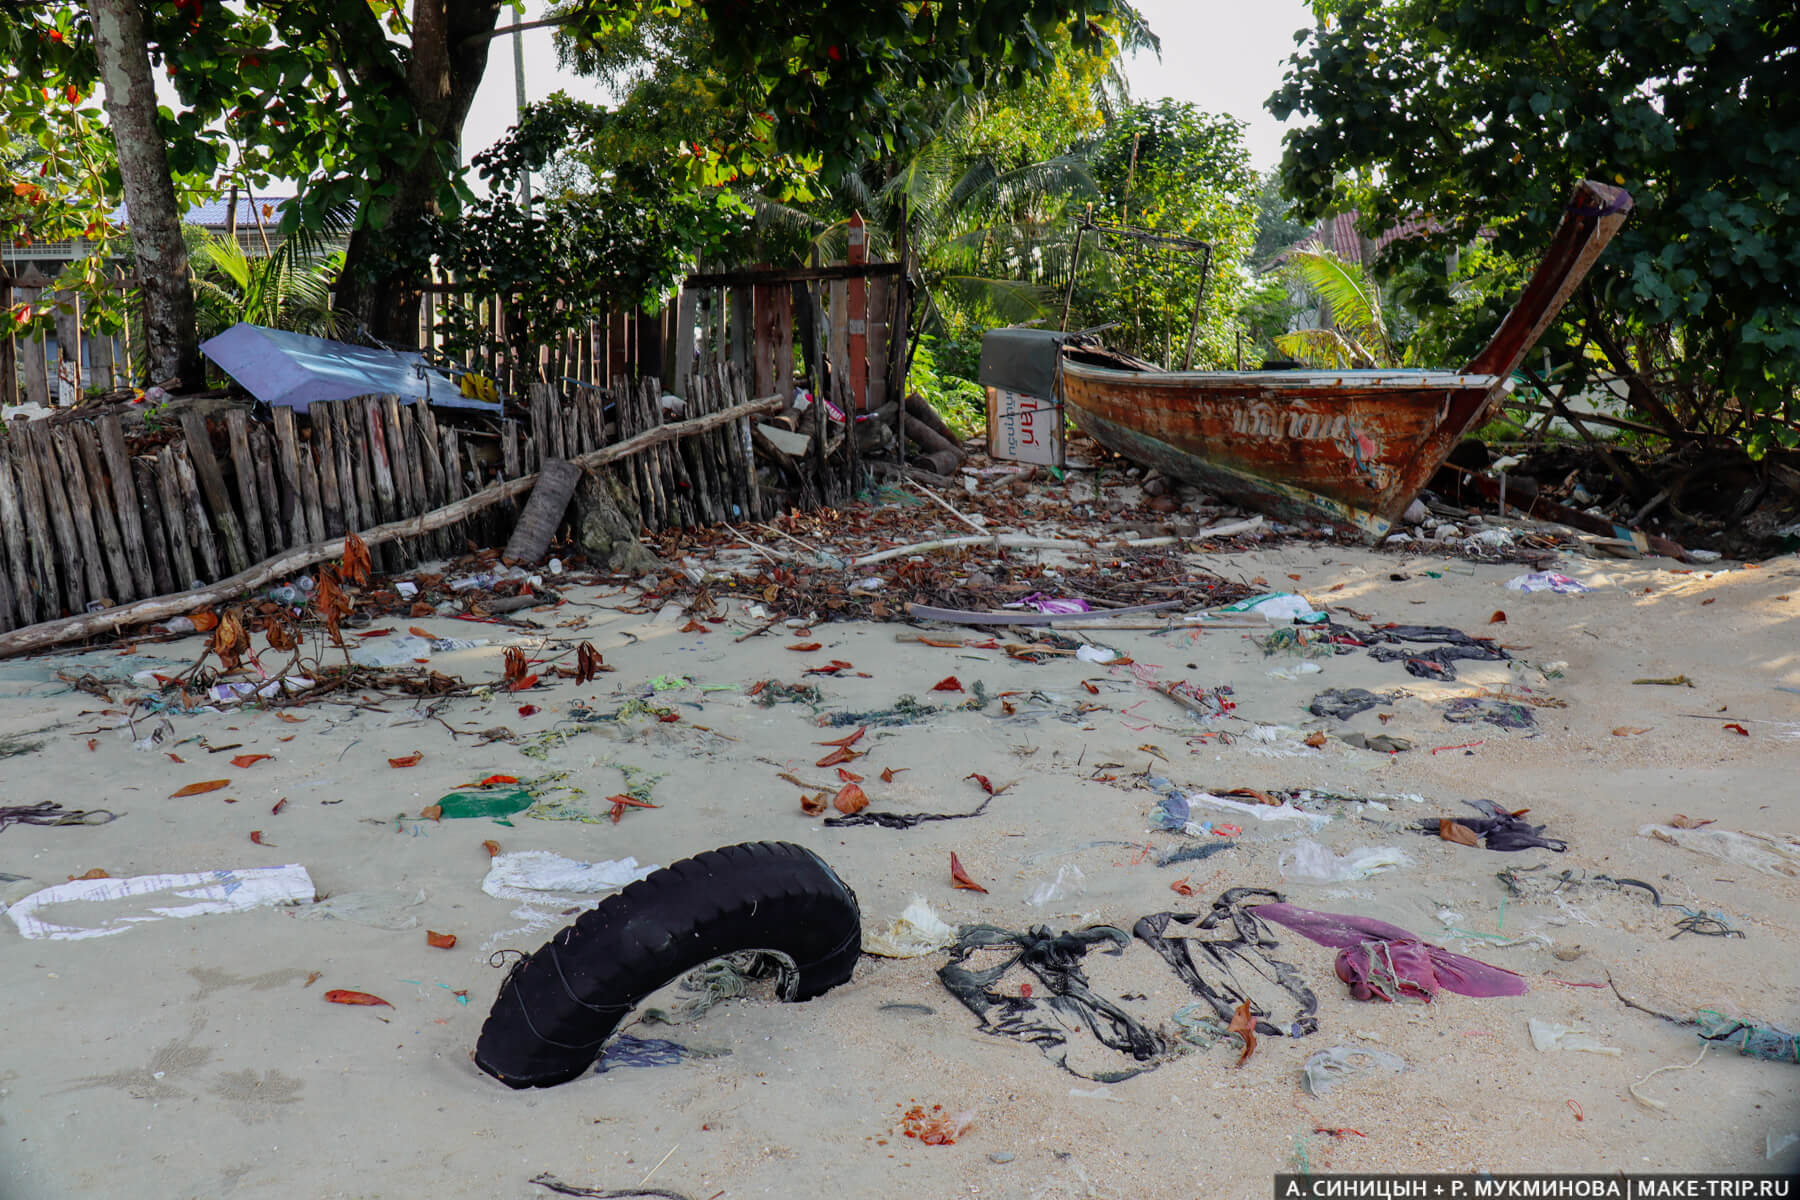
x=1007 y=541
x=537 y=525
x=68 y=629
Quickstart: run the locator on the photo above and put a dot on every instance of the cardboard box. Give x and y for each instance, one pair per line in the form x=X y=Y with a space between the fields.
x=1021 y=428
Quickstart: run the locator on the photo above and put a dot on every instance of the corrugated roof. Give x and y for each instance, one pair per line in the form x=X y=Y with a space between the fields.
x=213 y=213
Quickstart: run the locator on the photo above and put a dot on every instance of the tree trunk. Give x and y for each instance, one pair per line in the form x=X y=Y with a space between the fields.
x=162 y=262
x=379 y=285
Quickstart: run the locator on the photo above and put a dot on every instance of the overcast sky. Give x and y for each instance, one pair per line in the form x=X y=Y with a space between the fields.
x=1224 y=56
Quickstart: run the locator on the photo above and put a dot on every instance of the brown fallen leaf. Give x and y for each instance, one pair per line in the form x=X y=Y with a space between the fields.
x=95 y=873
x=198 y=789
x=290 y=718
x=804 y=647
x=812 y=806
x=1181 y=887
x=1092 y=690
x=248 y=760
x=341 y=996
x=1738 y=729
x=356 y=562
x=888 y=773
x=375 y=633
x=694 y=626
x=948 y=683
x=410 y=760
x=849 y=776
x=176 y=758
x=93 y=744
x=1629 y=730
x=1456 y=831
x=204 y=622
x=849 y=739
x=840 y=755
x=257 y=837
x=420 y=633
x=850 y=800
x=442 y=941
x=960 y=878
x=492 y=848
x=1499 y=618
x=432 y=812
x=279 y=805
x=1244 y=1025
x=1683 y=821
x=313 y=977
x=1315 y=739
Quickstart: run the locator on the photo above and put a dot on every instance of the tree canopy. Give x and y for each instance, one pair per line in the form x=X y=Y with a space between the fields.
x=1482 y=116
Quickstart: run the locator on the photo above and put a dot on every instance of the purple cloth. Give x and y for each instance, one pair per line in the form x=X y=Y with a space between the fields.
x=1385 y=962
x=1056 y=604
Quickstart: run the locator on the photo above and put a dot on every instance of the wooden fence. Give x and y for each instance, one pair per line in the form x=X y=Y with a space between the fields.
x=88 y=522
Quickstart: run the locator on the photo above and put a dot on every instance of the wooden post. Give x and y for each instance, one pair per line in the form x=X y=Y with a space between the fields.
x=345 y=459
x=406 y=503
x=331 y=495
x=682 y=344
x=76 y=569
x=46 y=569
x=126 y=503
x=14 y=540
x=243 y=467
x=200 y=531
x=381 y=471
x=106 y=520
x=859 y=316
x=181 y=555
x=212 y=485
x=276 y=530
x=9 y=356
x=309 y=488
x=33 y=368
x=148 y=502
x=287 y=457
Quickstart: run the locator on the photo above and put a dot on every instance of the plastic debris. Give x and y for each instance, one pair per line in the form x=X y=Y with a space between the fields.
x=628 y=1051
x=1344 y=703
x=1328 y=1068
x=916 y=932
x=484 y=802
x=1095 y=654
x=121 y=904
x=1236 y=966
x=1055 y=604
x=1547 y=1035
x=1498 y=829
x=1752 y=1040
x=1504 y=714
x=534 y=874
x=391 y=651
x=1547 y=581
x=1309 y=862
x=389 y=910
x=1277 y=607
x=1284 y=811
x=1772 y=854
x=1385 y=962
x=1385 y=743
x=1069 y=884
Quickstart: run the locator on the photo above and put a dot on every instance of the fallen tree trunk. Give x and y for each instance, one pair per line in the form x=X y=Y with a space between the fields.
x=68 y=629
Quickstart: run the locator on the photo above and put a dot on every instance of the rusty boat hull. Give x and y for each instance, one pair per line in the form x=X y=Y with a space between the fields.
x=1349 y=449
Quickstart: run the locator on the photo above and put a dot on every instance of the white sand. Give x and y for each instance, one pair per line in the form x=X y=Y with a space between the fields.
x=189 y=1057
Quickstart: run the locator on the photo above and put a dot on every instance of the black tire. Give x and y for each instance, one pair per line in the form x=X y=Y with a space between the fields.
x=557 y=1007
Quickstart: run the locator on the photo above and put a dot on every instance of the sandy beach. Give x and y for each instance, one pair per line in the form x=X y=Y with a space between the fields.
x=196 y=1055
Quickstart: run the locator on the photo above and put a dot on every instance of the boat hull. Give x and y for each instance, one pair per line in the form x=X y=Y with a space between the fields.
x=1349 y=449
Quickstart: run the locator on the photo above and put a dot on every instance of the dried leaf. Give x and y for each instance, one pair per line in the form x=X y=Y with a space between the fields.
x=949 y=683
x=850 y=800
x=410 y=760
x=1629 y=730
x=694 y=626
x=515 y=666
x=356 y=561
x=492 y=848
x=621 y=802
x=312 y=977
x=204 y=622
x=1181 y=887
x=1499 y=618
x=279 y=805
x=1738 y=729
x=960 y=878
x=1456 y=831
x=849 y=739
x=280 y=635
x=93 y=744
x=840 y=755
x=986 y=784
x=491 y=780
x=888 y=773
x=420 y=633
x=442 y=941
x=94 y=873
x=176 y=758
x=849 y=776
x=198 y=789
x=248 y=760
x=290 y=718
x=1091 y=689
x=230 y=641
x=432 y=812
x=256 y=836
x=588 y=663
x=1315 y=739
x=375 y=633
x=528 y=710
x=340 y=996
x=530 y=681
x=812 y=806
x=805 y=647
x=1683 y=821
x=1244 y=1025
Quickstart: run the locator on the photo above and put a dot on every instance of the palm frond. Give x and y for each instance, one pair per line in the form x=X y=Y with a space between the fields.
x=1326 y=349
x=1354 y=300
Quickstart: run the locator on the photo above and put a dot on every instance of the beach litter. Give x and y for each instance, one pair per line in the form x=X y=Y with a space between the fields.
x=1328 y=1068
x=1547 y=581
x=1496 y=830
x=1309 y=862
x=1547 y=1036
x=102 y=907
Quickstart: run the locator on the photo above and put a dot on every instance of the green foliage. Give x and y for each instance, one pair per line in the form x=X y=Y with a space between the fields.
x=1277 y=229
x=962 y=403
x=1170 y=169
x=278 y=291
x=1484 y=115
x=1357 y=335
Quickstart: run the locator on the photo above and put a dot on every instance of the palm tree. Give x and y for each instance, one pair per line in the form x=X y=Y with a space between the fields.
x=282 y=290
x=1353 y=330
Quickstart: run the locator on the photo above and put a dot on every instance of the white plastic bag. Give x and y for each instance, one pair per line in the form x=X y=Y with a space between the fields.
x=101 y=907
x=1309 y=862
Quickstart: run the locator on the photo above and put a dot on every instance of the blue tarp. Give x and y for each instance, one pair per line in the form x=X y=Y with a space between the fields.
x=293 y=370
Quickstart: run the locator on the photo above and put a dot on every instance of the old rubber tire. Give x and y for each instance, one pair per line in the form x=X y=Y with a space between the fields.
x=557 y=1007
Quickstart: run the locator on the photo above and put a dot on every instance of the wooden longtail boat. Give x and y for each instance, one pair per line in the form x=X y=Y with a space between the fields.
x=1348 y=448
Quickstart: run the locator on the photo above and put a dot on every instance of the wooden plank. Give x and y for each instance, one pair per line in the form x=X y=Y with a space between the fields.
x=743 y=327
x=33 y=369
x=47 y=572
x=331 y=494
x=675 y=463
x=618 y=353
x=77 y=576
x=212 y=485
x=276 y=530
x=309 y=489
x=762 y=345
x=337 y=420
x=511 y=465
x=9 y=354
x=181 y=553
x=859 y=304
x=127 y=505
x=415 y=472
x=782 y=322
x=536 y=405
x=451 y=461
x=243 y=467
x=14 y=543
x=156 y=543
x=838 y=337
x=686 y=309
x=426 y=451
x=106 y=521
x=406 y=504
x=199 y=528
x=287 y=457
x=381 y=470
